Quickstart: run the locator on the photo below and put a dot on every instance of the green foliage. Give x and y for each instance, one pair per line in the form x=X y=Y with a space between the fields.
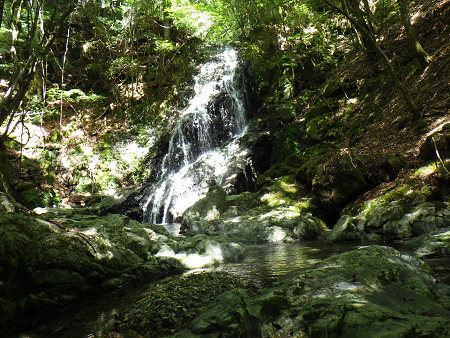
x=35 y=197
x=74 y=96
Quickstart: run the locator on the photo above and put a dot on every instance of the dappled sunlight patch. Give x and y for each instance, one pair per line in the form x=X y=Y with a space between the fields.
x=276 y=234
x=443 y=235
x=192 y=261
x=91 y=232
x=109 y=255
x=40 y=211
x=425 y=171
x=166 y=251
x=278 y=214
x=272 y=199
x=210 y=254
x=330 y=266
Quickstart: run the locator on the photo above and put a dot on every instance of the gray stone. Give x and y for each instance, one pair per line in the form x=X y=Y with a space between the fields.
x=310 y=228
x=436 y=243
x=371 y=291
x=347 y=228
x=208 y=209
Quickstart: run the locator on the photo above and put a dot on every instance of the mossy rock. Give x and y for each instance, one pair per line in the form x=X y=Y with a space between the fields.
x=32 y=198
x=206 y=209
x=276 y=171
x=310 y=162
x=239 y=204
x=169 y=306
x=374 y=290
x=288 y=140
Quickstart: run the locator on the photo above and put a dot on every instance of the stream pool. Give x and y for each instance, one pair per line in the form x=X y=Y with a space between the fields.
x=263 y=264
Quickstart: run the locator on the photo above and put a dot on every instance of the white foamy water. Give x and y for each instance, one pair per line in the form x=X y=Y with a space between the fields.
x=203 y=148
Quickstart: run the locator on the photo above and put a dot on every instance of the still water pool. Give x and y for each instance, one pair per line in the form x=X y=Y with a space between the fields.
x=263 y=264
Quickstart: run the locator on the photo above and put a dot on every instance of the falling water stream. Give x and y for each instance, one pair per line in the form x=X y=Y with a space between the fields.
x=202 y=144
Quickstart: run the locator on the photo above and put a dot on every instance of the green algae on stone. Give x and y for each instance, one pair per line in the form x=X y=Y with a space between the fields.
x=371 y=291
x=167 y=307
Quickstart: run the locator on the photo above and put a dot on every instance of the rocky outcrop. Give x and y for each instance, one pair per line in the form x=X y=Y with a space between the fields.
x=244 y=218
x=46 y=262
x=365 y=292
x=390 y=221
x=436 y=243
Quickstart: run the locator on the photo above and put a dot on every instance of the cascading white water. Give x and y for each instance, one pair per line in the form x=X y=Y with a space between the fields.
x=202 y=146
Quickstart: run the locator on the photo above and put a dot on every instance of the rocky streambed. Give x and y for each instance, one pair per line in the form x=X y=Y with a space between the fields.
x=73 y=272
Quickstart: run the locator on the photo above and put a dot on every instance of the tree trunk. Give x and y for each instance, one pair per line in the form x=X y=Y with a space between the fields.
x=364 y=32
x=415 y=47
x=406 y=94
x=21 y=80
x=2 y=6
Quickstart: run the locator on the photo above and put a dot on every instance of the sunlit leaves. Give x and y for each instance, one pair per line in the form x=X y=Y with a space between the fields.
x=193 y=17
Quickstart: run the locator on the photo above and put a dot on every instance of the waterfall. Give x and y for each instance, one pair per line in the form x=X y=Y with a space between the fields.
x=203 y=144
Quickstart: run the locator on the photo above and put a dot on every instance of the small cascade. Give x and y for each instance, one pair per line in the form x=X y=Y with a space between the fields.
x=202 y=146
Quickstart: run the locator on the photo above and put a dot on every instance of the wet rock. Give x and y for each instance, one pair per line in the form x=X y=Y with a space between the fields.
x=365 y=292
x=309 y=228
x=391 y=221
x=70 y=254
x=244 y=218
x=206 y=210
x=201 y=251
x=167 y=307
x=347 y=228
x=437 y=243
x=229 y=314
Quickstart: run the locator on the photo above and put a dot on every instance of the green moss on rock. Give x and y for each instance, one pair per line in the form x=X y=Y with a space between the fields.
x=168 y=307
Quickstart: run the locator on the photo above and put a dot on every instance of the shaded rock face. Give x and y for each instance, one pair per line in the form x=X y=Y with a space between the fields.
x=371 y=291
x=42 y=266
x=392 y=221
x=438 y=141
x=335 y=189
x=436 y=243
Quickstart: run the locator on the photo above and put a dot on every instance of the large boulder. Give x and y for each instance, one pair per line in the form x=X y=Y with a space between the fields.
x=338 y=182
x=391 y=221
x=437 y=143
x=371 y=291
x=200 y=251
x=49 y=261
x=206 y=210
x=249 y=217
x=167 y=307
x=436 y=243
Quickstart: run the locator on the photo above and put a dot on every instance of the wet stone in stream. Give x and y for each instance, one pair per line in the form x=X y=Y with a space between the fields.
x=169 y=305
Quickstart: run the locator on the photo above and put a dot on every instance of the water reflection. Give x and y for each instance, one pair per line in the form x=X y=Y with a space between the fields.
x=264 y=264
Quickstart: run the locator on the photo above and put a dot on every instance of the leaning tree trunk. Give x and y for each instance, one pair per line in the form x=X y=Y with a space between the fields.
x=416 y=48
x=405 y=92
